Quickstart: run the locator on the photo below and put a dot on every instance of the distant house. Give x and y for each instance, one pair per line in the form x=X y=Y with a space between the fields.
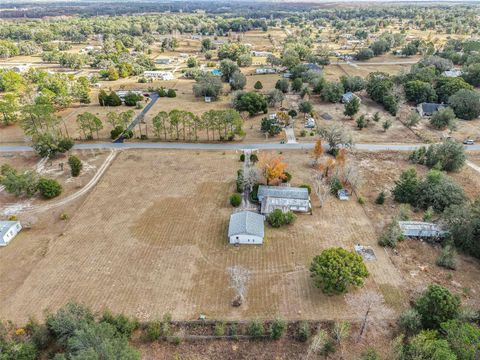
x=20 y=68
x=162 y=75
x=216 y=72
x=246 y=227
x=284 y=198
x=8 y=230
x=208 y=99
x=314 y=67
x=261 y=53
x=122 y=93
x=265 y=71
x=452 y=73
x=287 y=75
x=348 y=96
x=162 y=61
x=427 y=109
x=421 y=229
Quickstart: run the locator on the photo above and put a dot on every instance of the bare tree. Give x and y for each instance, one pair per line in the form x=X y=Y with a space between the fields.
x=349 y=174
x=336 y=135
x=250 y=178
x=239 y=278
x=370 y=307
x=320 y=187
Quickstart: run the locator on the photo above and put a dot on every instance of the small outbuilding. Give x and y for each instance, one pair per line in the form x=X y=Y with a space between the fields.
x=428 y=109
x=419 y=229
x=348 y=96
x=8 y=230
x=453 y=73
x=246 y=227
x=285 y=198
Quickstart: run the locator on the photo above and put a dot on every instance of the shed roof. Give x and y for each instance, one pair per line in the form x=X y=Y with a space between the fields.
x=430 y=108
x=313 y=66
x=246 y=222
x=286 y=192
x=5 y=226
x=421 y=228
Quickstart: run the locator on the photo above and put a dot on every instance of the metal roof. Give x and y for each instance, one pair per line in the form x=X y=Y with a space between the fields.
x=5 y=226
x=286 y=192
x=421 y=229
x=246 y=222
x=430 y=108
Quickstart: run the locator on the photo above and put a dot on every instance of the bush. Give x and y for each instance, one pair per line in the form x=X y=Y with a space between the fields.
x=436 y=306
x=253 y=158
x=49 y=188
x=277 y=218
x=116 y=132
x=233 y=330
x=336 y=269
x=361 y=200
x=153 y=331
x=39 y=333
x=391 y=235
x=380 y=200
x=235 y=200
x=239 y=181
x=67 y=320
x=292 y=113
x=410 y=322
x=171 y=93
x=161 y=92
x=242 y=157
x=370 y=354
x=277 y=328
x=255 y=329
x=75 y=165
x=335 y=185
x=447 y=258
x=123 y=324
x=219 y=329
x=303 y=331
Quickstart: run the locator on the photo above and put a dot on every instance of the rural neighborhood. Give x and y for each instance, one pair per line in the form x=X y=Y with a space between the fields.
x=239 y=180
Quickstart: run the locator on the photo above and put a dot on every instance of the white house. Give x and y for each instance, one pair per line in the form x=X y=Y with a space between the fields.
x=310 y=123
x=162 y=61
x=285 y=198
x=261 y=53
x=8 y=230
x=21 y=68
x=421 y=229
x=452 y=73
x=265 y=71
x=246 y=227
x=162 y=75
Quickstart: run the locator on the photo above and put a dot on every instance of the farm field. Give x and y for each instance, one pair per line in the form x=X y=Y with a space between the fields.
x=151 y=238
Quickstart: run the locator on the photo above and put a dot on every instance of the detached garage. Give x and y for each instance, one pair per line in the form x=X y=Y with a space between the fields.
x=8 y=230
x=246 y=227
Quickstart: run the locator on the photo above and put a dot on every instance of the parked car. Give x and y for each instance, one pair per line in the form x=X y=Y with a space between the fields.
x=468 y=142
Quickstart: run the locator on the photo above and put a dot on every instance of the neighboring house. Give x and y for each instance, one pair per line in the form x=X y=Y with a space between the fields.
x=427 y=109
x=122 y=93
x=162 y=61
x=162 y=75
x=261 y=53
x=421 y=229
x=284 y=198
x=20 y=68
x=265 y=71
x=310 y=123
x=314 y=67
x=348 y=96
x=8 y=230
x=452 y=73
x=246 y=227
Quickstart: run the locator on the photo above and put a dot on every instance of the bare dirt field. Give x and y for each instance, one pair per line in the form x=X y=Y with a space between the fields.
x=151 y=238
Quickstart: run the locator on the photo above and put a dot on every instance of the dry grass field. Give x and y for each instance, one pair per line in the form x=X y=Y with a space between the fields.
x=151 y=238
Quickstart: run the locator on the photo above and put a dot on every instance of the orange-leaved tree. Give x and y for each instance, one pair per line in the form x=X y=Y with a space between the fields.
x=317 y=151
x=272 y=168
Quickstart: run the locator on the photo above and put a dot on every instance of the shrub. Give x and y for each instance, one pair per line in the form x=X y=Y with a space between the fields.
x=68 y=320
x=447 y=258
x=49 y=188
x=292 y=113
x=255 y=329
x=335 y=269
x=161 y=92
x=153 y=331
x=235 y=200
x=410 y=321
x=39 y=333
x=380 y=200
x=303 y=331
x=239 y=182
x=391 y=235
x=436 y=306
x=277 y=218
x=277 y=328
x=234 y=330
x=123 y=324
x=370 y=354
x=361 y=200
x=116 y=132
x=64 y=216
x=171 y=93
x=335 y=185
x=219 y=329
x=253 y=158
x=242 y=157
x=75 y=165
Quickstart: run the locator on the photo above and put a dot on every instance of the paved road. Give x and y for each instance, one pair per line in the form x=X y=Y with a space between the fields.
x=364 y=63
x=153 y=99
x=230 y=146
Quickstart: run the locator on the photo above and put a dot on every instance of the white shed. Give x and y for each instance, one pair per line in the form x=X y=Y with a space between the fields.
x=8 y=230
x=246 y=227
